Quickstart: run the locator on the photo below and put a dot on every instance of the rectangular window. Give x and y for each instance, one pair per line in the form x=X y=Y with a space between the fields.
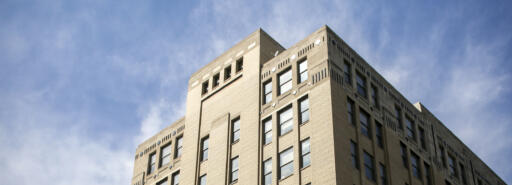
x=286 y=163
x=267 y=127
x=416 y=172
x=361 y=85
x=365 y=123
x=463 y=174
x=216 y=79
x=379 y=135
x=285 y=120
x=162 y=182
x=428 y=174
x=204 y=148
x=304 y=110
x=423 y=142
x=175 y=178
x=165 y=155
x=303 y=71
x=443 y=156
x=227 y=72
x=204 y=89
x=305 y=153
x=347 y=73
x=267 y=91
x=239 y=64
x=235 y=130
x=451 y=166
x=202 y=180
x=398 y=116
x=411 y=133
x=350 y=110
x=403 y=153
x=179 y=147
x=374 y=95
x=152 y=163
x=382 y=174
x=267 y=172
x=354 y=154
x=369 y=167
x=234 y=169
x=285 y=81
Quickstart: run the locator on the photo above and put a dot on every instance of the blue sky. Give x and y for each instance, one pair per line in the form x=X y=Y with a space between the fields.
x=82 y=82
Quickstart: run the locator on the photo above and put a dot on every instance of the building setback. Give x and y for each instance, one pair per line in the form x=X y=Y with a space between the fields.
x=315 y=113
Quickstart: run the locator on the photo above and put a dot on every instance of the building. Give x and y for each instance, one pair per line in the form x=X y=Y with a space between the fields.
x=315 y=113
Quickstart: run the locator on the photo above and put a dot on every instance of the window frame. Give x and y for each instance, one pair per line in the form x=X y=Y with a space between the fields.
x=305 y=153
x=379 y=134
x=361 y=89
x=267 y=134
x=152 y=162
x=354 y=154
x=410 y=126
x=281 y=166
x=306 y=111
x=266 y=97
x=267 y=173
x=383 y=174
x=175 y=178
x=369 y=166
x=282 y=84
x=233 y=170
x=404 y=155
x=347 y=72
x=205 y=87
x=216 y=80
x=239 y=65
x=162 y=156
x=205 y=146
x=178 y=147
x=302 y=71
x=227 y=72
x=350 y=111
x=365 y=127
x=201 y=178
x=283 y=122
x=415 y=166
x=235 y=132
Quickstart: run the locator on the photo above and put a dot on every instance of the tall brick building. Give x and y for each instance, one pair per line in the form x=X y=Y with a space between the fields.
x=315 y=113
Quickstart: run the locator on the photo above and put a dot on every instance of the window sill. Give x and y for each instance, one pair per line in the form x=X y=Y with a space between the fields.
x=284 y=178
x=303 y=123
x=234 y=182
x=303 y=168
x=286 y=133
x=267 y=144
x=203 y=161
x=235 y=142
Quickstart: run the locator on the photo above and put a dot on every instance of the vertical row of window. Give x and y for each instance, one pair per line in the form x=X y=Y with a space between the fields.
x=284 y=81
x=368 y=163
x=415 y=165
x=364 y=119
x=361 y=84
x=227 y=74
x=165 y=155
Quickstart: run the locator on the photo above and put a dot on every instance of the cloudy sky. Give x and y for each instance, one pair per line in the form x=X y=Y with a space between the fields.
x=82 y=82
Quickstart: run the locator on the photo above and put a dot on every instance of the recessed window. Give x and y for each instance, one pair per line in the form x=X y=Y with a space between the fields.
x=165 y=154
x=305 y=153
x=152 y=163
x=175 y=178
x=443 y=155
x=423 y=142
x=374 y=95
x=403 y=153
x=304 y=110
x=285 y=81
x=204 y=148
x=202 y=180
x=286 y=163
x=267 y=127
x=451 y=166
x=303 y=71
x=350 y=111
x=179 y=147
x=361 y=85
x=411 y=133
x=369 y=168
x=428 y=174
x=267 y=172
x=416 y=172
x=285 y=120
x=347 y=73
x=398 y=116
x=239 y=64
x=267 y=91
x=227 y=72
x=162 y=182
x=235 y=129
x=364 y=118
x=204 y=88
x=216 y=79
x=379 y=135
x=382 y=174
x=463 y=174
x=354 y=154
x=234 y=169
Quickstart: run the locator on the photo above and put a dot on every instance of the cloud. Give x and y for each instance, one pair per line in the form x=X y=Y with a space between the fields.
x=158 y=115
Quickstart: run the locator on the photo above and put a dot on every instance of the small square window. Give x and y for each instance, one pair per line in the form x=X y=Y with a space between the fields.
x=227 y=72
x=239 y=64
x=216 y=79
x=204 y=89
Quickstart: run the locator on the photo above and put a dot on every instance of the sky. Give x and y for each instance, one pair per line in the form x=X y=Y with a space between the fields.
x=83 y=82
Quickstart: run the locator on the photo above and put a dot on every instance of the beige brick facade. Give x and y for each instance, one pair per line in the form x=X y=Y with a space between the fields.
x=215 y=100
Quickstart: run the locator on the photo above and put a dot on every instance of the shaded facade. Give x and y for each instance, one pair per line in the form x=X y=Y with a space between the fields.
x=315 y=113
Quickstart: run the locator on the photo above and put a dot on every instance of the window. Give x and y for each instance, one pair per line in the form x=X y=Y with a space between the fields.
x=451 y=166
x=239 y=64
x=361 y=85
x=303 y=71
x=422 y=138
x=378 y=135
x=204 y=88
x=267 y=127
x=234 y=169
x=165 y=155
x=267 y=90
x=286 y=163
x=443 y=157
x=305 y=153
x=347 y=73
x=175 y=178
x=354 y=154
x=447 y=182
x=285 y=120
x=479 y=182
x=374 y=95
x=285 y=81
x=428 y=174
x=304 y=110
x=204 y=148
x=152 y=163
x=235 y=129
x=162 y=182
x=267 y=172
x=202 y=180
x=382 y=174
x=227 y=72
x=463 y=174
x=403 y=153
x=350 y=110
x=416 y=172
x=398 y=116
x=369 y=167
x=216 y=79
x=411 y=133
x=179 y=147
x=365 y=125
